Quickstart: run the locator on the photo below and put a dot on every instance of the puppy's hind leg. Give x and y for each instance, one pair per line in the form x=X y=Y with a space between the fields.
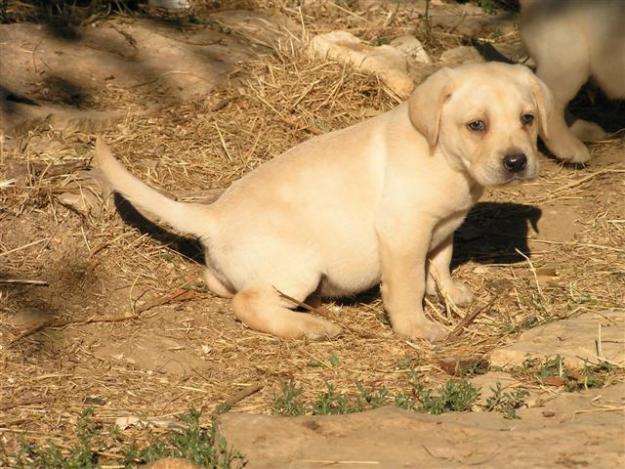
x=564 y=85
x=215 y=285
x=262 y=308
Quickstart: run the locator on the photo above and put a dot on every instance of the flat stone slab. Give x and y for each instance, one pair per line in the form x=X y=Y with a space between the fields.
x=573 y=430
x=589 y=338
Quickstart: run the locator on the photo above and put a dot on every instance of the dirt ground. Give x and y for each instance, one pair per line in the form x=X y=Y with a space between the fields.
x=123 y=323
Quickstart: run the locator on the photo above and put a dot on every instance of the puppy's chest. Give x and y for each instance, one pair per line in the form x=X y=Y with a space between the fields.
x=446 y=227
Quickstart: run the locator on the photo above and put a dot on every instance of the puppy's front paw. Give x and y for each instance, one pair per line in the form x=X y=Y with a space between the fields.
x=459 y=293
x=423 y=329
x=569 y=148
x=431 y=331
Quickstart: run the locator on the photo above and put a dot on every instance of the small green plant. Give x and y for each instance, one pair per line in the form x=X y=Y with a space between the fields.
x=453 y=396
x=331 y=403
x=371 y=398
x=81 y=454
x=554 y=372
x=506 y=402
x=194 y=443
x=289 y=402
x=334 y=360
x=489 y=6
x=456 y=395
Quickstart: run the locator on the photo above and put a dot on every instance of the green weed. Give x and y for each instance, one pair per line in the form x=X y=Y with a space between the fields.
x=80 y=455
x=191 y=442
x=554 y=372
x=506 y=402
x=289 y=402
x=331 y=403
x=371 y=398
x=456 y=395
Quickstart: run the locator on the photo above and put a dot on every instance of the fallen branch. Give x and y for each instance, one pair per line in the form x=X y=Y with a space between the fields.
x=229 y=403
x=467 y=320
x=22 y=281
x=24 y=402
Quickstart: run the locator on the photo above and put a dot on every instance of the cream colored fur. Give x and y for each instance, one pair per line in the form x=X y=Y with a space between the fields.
x=573 y=41
x=376 y=202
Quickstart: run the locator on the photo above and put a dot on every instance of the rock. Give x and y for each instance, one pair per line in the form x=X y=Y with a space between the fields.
x=387 y=62
x=172 y=463
x=263 y=28
x=412 y=48
x=391 y=437
x=471 y=20
x=461 y=55
x=574 y=339
x=170 y=4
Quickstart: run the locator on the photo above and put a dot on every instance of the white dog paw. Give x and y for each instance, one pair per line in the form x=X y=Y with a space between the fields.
x=460 y=294
x=431 y=331
x=569 y=149
x=422 y=329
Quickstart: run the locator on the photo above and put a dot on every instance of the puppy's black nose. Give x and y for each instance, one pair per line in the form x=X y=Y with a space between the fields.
x=515 y=163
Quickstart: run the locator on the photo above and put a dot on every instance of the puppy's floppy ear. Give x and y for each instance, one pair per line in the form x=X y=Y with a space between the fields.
x=426 y=104
x=544 y=102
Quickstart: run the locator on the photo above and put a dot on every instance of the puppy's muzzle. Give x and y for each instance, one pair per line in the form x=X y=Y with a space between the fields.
x=515 y=162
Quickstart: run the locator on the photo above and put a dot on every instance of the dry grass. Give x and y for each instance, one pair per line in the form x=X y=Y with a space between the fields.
x=99 y=267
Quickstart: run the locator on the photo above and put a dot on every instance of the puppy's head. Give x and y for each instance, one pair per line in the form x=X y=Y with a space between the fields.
x=484 y=118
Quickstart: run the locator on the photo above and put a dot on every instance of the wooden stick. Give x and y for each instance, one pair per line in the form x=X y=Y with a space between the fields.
x=226 y=405
x=467 y=320
x=23 y=281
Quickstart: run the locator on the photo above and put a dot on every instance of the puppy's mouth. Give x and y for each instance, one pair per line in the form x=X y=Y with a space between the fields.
x=499 y=176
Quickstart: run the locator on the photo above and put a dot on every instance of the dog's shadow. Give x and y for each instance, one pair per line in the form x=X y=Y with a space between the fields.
x=492 y=233
x=495 y=232
x=189 y=248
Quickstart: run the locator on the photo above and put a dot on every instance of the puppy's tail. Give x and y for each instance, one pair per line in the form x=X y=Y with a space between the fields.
x=186 y=218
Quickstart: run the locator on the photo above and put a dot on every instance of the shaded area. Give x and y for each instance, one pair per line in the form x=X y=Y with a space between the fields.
x=62 y=57
x=189 y=248
x=62 y=90
x=493 y=232
x=593 y=105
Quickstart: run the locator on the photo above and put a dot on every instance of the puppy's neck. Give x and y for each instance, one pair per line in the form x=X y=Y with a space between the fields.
x=456 y=165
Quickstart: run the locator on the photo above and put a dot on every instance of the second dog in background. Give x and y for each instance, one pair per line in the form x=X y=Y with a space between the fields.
x=571 y=42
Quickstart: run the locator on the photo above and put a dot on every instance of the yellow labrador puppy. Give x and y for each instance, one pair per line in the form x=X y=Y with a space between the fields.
x=378 y=201
x=573 y=41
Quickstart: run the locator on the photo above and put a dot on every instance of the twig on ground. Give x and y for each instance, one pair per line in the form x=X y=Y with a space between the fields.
x=24 y=402
x=23 y=281
x=226 y=405
x=467 y=320
x=533 y=270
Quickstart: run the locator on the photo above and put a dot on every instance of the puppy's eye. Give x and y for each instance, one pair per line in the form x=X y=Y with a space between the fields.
x=527 y=119
x=477 y=126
